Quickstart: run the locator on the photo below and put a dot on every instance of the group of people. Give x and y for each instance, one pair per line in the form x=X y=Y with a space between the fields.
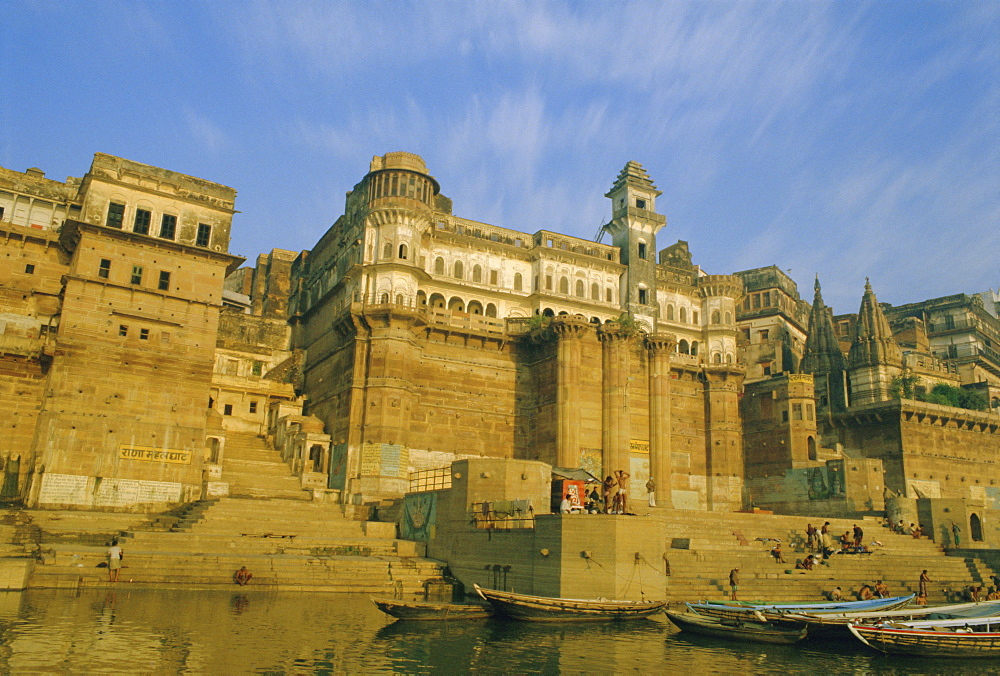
x=614 y=499
x=915 y=530
x=866 y=592
x=820 y=541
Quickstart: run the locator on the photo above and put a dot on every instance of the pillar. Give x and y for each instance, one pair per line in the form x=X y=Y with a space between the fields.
x=614 y=399
x=569 y=353
x=661 y=470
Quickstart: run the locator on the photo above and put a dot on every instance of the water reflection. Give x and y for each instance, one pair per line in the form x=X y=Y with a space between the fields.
x=134 y=630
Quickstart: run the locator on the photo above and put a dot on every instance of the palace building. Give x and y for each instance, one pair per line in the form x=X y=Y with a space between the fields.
x=409 y=337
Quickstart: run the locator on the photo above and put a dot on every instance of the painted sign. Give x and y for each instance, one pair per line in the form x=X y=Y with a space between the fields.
x=150 y=454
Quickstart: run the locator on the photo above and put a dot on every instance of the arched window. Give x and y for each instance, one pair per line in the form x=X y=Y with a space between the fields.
x=387 y=250
x=563 y=285
x=580 y=288
x=595 y=292
x=811 y=446
x=477 y=273
x=683 y=347
x=975 y=528
x=459 y=270
x=399 y=299
x=438 y=266
x=716 y=317
x=729 y=357
x=547 y=312
x=383 y=299
x=717 y=358
x=670 y=312
x=694 y=348
x=608 y=296
x=421 y=299
x=694 y=316
x=491 y=310
x=729 y=317
x=684 y=314
x=402 y=251
x=517 y=281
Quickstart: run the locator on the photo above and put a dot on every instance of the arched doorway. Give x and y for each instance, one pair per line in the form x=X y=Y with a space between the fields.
x=811 y=444
x=975 y=528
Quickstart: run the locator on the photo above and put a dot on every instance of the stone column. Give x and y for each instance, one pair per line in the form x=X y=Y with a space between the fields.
x=614 y=400
x=723 y=437
x=661 y=470
x=569 y=353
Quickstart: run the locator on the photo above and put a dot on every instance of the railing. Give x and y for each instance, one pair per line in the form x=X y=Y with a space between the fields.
x=435 y=479
x=502 y=514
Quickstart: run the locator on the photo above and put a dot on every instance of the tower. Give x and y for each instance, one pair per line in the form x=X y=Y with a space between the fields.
x=875 y=358
x=633 y=227
x=824 y=359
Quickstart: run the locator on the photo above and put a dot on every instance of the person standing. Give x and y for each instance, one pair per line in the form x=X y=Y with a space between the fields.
x=956 y=534
x=734 y=582
x=115 y=556
x=651 y=491
x=621 y=497
x=922 y=584
x=859 y=535
x=811 y=536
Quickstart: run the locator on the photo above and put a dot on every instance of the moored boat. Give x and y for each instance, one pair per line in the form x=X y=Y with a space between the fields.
x=737 y=609
x=745 y=629
x=427 y=610
x=834 y=623
x=978 y=637
x=549 y=609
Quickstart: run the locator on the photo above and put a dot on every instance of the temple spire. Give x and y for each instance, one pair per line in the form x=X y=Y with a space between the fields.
x=873 y=342
x=822 y=351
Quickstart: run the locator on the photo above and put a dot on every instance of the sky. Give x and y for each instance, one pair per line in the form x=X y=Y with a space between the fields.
x=844 y=139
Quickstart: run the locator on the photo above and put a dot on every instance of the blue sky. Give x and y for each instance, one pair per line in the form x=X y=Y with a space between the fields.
x=847 y=139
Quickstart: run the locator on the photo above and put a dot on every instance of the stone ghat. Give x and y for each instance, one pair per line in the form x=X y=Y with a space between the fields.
x=288 y=545
x=584 y=556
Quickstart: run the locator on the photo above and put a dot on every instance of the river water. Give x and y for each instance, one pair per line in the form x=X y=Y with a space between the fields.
x=129 y=630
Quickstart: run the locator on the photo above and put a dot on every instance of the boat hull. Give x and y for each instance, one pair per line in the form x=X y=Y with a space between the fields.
x=774 y=610
x=828 y=624
x=546 y=609
x=756 y=632
x=420 y=610
x=928 y=643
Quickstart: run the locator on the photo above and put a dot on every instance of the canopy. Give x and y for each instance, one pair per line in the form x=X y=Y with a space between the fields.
x=574 y=474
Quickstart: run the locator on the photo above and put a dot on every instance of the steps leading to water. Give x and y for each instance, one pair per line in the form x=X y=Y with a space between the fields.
x=254 y=469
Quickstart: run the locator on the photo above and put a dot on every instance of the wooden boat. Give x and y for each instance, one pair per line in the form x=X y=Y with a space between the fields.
x=426 y=610
x=828 y=623
x=740 y=630
x=737 y=609
x=979 y=637
x=548 y=609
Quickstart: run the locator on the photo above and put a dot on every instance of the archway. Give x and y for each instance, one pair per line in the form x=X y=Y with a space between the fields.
x=456 y=304
x=975 y=527
x=437 y=301
x=475 y=307
x=811 y=445
x=547 y=312
x=421 y=299
x=683 y=347
x=491 y=310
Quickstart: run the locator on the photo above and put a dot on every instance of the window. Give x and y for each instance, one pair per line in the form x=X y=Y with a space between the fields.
x=767 y=369
x=563 y=285
x=143 y=334
x=670 y=313
x=608 y=295
x=459 y=270
x=257 y=367
x=387 y=250
x=642 y=296
x=136 y=274
x=402 y=252
x=164 y=337
x=164 y=284
x=642 y=249
x=716 y=317
x=694 y=317
x=104 y=271
x=595 y=292
x=116 y=214
x=29 y=269
x=168 y=228
x=494 y=277
x=764 y=334
x=796 y=411
x=228 y=410
x=142 y=218
x=477 y=273
x=439 y=266
x=122 y=330
x=784 y=415
x=684 y=315
x=580 y=288
x=204 y=234
x=1 y=213
x=253 y=406
x=517 y=281
x=640 y=204
x=548 y=282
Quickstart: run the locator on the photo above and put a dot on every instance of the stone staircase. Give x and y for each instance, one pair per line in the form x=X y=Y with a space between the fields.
x=287 y=544
x=702 y=570
x=254 y=469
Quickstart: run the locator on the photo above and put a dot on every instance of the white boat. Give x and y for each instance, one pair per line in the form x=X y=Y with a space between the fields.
x=979 y=637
